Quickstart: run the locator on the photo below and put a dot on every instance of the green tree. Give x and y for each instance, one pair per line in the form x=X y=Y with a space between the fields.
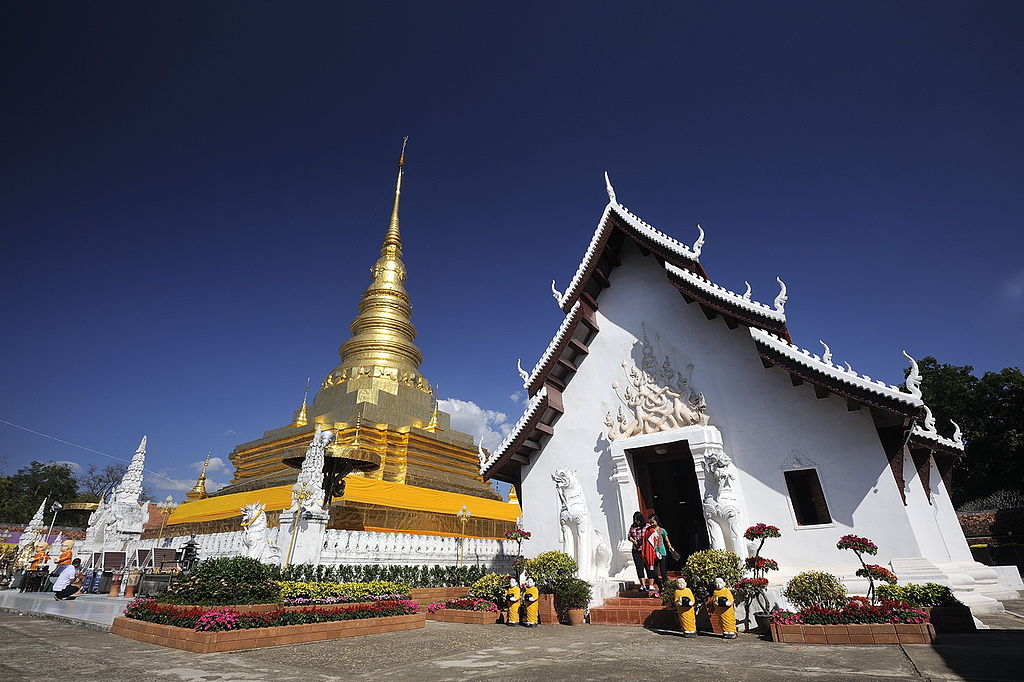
x=21 y=492
x=990 y=410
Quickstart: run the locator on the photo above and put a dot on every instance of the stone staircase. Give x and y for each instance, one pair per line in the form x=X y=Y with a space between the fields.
x=633 y=607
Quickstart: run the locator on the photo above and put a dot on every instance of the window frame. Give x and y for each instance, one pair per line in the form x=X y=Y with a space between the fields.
x=789 y=498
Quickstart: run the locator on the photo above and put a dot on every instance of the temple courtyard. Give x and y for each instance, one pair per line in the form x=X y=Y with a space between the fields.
x=35 y=647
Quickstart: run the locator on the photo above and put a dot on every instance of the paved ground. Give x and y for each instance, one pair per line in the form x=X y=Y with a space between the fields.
x=87 y=608
x=34 y=649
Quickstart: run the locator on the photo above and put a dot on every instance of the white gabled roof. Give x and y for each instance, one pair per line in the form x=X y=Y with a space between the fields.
x=639 y=226
x=566 y=325
x=933 y=436
x=528 y=414
x=808 y=359
x=724 y=294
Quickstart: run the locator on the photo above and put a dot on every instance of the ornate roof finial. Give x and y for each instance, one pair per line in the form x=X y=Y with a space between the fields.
x=958 y=435
x=913 y=378
x=480 y=452
x=780 y=300
x=129 y=489
x=522 y=373
x=556 y=293
x=747 y=294
x=198 y=491
x=699 y=244
x=302 y=419
x=608 y=188
x=929 y=420
x=849 y=367
x=827 y=355
x=383 y=333
x=432 y=425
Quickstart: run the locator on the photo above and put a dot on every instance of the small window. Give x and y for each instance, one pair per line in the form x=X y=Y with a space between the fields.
x=807 y=497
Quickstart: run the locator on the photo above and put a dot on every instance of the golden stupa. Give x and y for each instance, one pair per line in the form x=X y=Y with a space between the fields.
x=375 y=400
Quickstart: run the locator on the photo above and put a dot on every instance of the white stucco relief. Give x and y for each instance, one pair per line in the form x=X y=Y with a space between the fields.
x=723 y=508
x=580 y=539
x=256 y=534
x=654 y=398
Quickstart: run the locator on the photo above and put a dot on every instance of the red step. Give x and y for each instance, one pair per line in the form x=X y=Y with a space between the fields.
x=644 y=616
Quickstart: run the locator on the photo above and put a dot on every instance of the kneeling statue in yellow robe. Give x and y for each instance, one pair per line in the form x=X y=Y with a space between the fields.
x=723 y=609
x=512 y=597
x=531 y=597
x=685 y=609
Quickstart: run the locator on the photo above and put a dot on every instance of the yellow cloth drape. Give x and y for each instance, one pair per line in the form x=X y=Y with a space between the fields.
x=357 y=489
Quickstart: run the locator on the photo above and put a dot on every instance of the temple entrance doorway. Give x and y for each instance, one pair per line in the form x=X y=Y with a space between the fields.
x=667 y=486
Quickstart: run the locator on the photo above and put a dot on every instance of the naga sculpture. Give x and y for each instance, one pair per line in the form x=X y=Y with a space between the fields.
x=257 y=534
x=655 y=399
x=580 y=539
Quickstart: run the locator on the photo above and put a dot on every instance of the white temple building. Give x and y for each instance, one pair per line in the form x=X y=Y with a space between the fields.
x=663 y=391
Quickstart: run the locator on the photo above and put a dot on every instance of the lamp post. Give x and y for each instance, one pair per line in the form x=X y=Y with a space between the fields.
x=165 y=508
x=301 y=493
x=55 y=507
x=463 y=515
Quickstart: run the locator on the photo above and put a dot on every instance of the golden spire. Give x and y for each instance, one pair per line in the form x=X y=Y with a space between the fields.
x=302 y=419
x=198 y=491
x=382 y=333
x=512 y=497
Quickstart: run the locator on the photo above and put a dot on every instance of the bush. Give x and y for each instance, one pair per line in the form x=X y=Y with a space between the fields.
x=815 y=588
x=856 y=611
x=550 y=568
x=490 y=587
x=293 y=593
x=217 y=620
x=573 y=593
x=463 y=604
x=231 y=580
x=411 y=575
x=703 y=567
x=929 y=594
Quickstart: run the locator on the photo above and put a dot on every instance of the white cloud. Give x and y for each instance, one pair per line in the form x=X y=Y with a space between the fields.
x=76 y=468
x=487 y=426
x=231 y=432
x=216 y=464
x=518 y=397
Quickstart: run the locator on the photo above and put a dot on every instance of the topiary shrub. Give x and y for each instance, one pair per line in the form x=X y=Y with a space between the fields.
x=550 y=568
x=815 y=588
x=225 y=581
x=490 y=587
x=703 y=567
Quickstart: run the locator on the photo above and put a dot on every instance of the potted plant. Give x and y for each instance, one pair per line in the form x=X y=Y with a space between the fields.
x=872 y=572
x=572 y=597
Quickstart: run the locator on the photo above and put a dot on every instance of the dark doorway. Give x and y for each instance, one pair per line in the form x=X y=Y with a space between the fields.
x=667 y=486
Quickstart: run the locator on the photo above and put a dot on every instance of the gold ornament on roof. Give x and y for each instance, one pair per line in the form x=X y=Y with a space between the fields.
x=198 y=491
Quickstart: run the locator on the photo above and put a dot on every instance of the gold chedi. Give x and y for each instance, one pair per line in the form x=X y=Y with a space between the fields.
x=378 y=405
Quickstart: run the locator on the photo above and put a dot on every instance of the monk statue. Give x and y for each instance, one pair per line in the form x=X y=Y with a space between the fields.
x=66 y=550
x=513 y=597
x=40 y=557
x=531 y=597
x=723 y=609
x=686 y=607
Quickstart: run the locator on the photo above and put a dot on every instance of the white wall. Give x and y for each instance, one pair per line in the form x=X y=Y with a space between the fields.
x=762 y=417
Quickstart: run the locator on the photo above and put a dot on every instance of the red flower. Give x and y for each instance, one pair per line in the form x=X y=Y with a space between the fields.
x=761 y=531
x=760 y=563
x=857 y=544
x=876 y=572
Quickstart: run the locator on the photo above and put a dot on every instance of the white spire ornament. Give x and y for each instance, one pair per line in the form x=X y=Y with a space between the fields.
x=129 y=490
x=958 y=435
x=556 y=293
x=608 y=188
x=747 y=295
x=913 y=378
x=699 y=244
x=522 y=373
x=780 y=300
x=827 y=355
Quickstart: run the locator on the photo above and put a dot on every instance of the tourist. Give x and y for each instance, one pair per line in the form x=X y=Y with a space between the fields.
x=663 y=548
x=69 y=582
x=649 y=550
x=636 y=538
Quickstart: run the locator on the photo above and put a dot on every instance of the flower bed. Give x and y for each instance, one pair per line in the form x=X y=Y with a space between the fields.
x=858 y=622
x=205 y=630
x=464 y=610
x=316 y=593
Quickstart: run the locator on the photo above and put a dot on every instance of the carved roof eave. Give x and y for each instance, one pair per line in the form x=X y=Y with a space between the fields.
x=838 y=380
x=930 y=440
x=617 y=216
x=502 y=454
x=580 y=314
x=745 y=311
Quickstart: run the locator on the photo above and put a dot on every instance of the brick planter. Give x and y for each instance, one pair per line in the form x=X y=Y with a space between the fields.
x=463 y=616
x=254 y=638
x=428 y=595
x=237 y=608
x=884 y=633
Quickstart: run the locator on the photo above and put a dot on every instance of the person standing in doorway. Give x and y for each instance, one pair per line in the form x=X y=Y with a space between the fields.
x=649 y=551
x=662 y=549
x=636 y=538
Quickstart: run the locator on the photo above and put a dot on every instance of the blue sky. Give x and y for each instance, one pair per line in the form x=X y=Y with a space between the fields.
x=193 y=193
